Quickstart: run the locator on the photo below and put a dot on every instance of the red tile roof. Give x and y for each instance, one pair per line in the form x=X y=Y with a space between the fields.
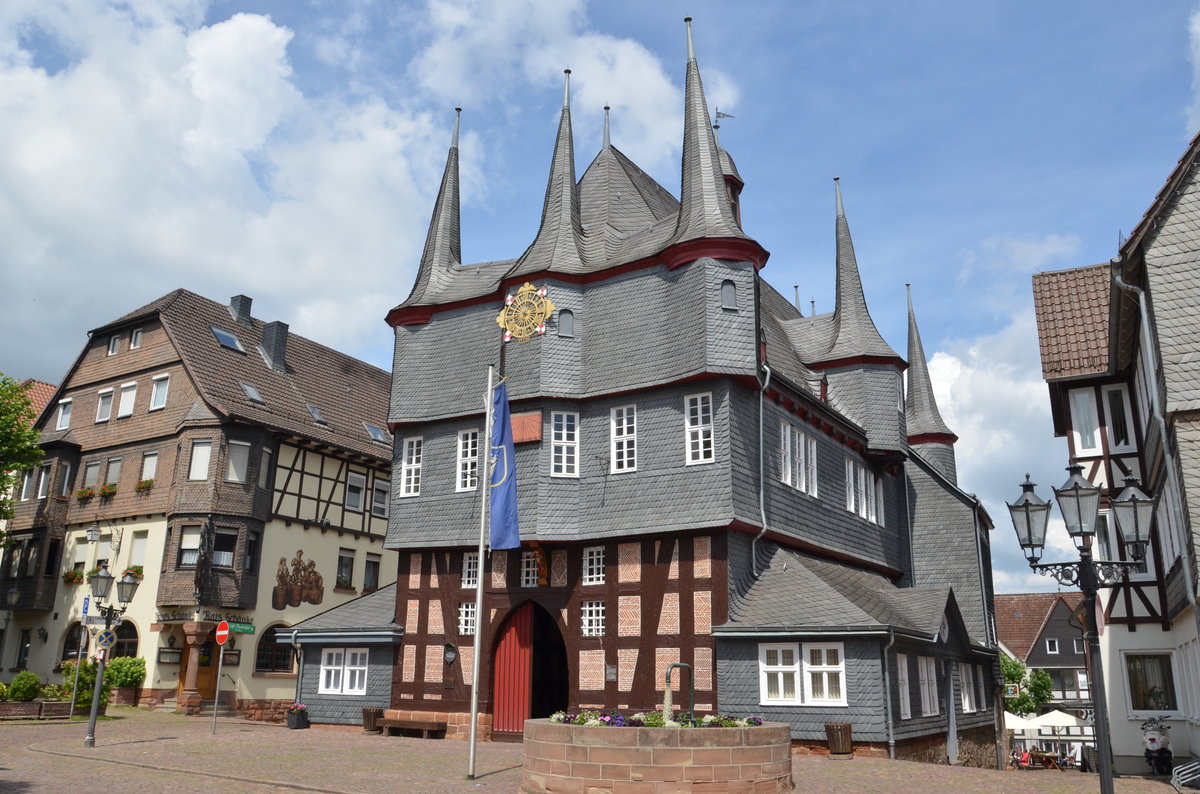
x=1072 y=320
x=1020 y=617
x=40 y=394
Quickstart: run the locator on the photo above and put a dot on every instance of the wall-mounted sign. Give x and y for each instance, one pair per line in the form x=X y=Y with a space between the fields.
x=1012 y=690
x=233 y=657
x=170 y=655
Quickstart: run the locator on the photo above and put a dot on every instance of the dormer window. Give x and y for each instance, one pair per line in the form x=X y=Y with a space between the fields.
x=114 y=344
x=316 y=415
x=227 y=339
x=377 y=433
x=135 y=338
x=253 y=396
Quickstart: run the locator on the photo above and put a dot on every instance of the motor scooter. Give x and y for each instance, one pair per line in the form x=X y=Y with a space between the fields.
x=1156 y=738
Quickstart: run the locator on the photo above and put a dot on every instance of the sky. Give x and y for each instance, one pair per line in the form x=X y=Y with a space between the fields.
x=291 y=151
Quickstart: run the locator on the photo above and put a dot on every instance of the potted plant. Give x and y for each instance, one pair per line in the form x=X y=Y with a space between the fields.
x=144 y=485
x=106 y=491
x=83 y=494
x=297 y=716
x=72 y=576
x=126 y=675
x=136 y=571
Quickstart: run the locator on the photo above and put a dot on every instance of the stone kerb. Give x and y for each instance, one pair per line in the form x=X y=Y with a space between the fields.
x=591 y=759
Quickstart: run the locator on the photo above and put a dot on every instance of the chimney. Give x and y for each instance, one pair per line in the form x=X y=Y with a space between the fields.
x=274 y=345
x=239 y=309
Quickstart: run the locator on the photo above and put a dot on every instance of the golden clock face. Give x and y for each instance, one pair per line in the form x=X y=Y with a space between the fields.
x=525 y=313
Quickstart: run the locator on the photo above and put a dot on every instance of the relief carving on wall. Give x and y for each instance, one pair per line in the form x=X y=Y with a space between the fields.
x=301 y=584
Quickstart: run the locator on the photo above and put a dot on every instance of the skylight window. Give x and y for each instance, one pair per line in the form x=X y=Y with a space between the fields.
x=377 y=433
x=227 y=339
x=252 y=394
x=316 y=415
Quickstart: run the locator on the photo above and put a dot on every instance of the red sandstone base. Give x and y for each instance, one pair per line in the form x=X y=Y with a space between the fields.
x=577 y=758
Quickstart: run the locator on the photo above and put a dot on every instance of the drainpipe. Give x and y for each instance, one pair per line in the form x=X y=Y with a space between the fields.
x=887 y=694
x=762 y=454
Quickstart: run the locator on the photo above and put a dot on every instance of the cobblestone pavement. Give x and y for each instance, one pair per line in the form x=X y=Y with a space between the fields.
x=142 y=752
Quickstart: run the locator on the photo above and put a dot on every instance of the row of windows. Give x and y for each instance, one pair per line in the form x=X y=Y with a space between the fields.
x=1085 y=420
x=808 y=673
x=345 y=570
x=1052 y=645
x=972 y=686
x=530 y=574
x=125 y=397
x=135 y=341
x=864 y=492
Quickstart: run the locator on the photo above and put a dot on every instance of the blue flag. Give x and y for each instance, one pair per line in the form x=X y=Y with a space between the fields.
x=503 y=492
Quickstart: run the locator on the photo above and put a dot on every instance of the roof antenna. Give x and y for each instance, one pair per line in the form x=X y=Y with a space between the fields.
x=457 y=116
x=691 y=47
x=567 y=88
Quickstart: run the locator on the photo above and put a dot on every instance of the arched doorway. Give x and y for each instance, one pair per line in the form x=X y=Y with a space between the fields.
x=529 y=647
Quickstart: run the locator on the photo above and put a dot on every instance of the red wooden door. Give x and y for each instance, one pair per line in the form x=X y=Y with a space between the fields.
x=513 y=672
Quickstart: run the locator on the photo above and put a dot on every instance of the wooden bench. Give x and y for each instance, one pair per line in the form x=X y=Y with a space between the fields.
x=390 y=726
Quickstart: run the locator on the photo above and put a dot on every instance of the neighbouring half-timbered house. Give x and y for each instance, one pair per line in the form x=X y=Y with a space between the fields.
x=242 y=472
x=1117 y=346
x=705 y=477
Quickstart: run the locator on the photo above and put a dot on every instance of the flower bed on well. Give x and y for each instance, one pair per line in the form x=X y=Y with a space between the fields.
x=652 y=719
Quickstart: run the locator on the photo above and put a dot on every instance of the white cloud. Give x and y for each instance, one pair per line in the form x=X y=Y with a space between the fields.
x=1006 y=256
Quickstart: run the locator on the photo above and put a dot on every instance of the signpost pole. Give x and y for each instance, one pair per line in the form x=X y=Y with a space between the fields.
x=79 y=652
x=222 y=634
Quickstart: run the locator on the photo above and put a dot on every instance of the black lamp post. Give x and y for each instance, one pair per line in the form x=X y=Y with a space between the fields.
x=1079 y=502
x=11 y=597
x=102 y=584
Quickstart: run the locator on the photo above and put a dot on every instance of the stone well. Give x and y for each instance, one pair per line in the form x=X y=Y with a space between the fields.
x=577 y=758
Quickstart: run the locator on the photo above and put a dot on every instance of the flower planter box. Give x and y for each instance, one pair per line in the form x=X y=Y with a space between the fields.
x=16 y=710
x=686 y=759
x=124 y=696
x=55 y=710
x=297 y=720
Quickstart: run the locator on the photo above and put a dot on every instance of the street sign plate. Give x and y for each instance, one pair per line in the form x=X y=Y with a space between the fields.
x=106 y=638
x=86 y=601
x=93 y=620
x=241 y=628
x=222 y=632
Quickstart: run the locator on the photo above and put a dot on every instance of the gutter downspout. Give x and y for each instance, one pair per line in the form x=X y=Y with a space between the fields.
x=762 y=503
x=887 y=695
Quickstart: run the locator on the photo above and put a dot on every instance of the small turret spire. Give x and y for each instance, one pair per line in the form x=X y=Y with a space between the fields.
x=837 y=190
x=566 y=88
x=454 y=137
x=925 y=427
x=607 y=136
x=442 y=245
x=691 y=46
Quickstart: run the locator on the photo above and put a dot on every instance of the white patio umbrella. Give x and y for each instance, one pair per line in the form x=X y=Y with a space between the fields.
x=1057 y=719
x=1012 y=722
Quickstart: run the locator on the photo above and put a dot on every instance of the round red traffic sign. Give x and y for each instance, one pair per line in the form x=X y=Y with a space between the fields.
x=222 y=632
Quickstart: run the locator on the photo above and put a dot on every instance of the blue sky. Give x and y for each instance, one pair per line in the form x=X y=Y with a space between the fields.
x=291 y=151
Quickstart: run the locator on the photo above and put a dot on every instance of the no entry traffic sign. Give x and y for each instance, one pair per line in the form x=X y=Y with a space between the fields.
x=222 y=632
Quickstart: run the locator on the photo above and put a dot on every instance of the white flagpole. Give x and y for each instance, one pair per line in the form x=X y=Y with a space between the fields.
x=485 y=487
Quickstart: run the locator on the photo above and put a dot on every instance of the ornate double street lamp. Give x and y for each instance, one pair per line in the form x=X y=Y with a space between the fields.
x=1079 y=502
x=102 y=584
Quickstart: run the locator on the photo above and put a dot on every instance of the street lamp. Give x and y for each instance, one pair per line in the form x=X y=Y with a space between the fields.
x=11 y=597
x=102 y=583
x=1079 y=502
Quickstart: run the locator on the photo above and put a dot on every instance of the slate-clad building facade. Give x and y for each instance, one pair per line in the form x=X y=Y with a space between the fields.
x=705 y=476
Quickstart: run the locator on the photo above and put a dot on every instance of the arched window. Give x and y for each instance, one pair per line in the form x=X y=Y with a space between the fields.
x=566 y=323
x=127 y=640
x=728 y=295
x=71 y=641
x=273 y=656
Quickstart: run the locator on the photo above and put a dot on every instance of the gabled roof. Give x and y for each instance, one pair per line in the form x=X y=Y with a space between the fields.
x=1021 y=617
x=368 y=618
x=40 y=393
x=1072 y=313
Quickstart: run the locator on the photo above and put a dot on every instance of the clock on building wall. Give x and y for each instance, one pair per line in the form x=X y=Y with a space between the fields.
x=525 y=313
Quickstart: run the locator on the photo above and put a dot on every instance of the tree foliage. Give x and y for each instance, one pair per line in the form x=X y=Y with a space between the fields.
x=1034 y=688
x=19 y=448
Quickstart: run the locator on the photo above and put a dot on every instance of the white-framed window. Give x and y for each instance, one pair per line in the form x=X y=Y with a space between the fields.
x=43 y=481
x=343 y=671
x=371 y=572
x=593 y=565
x=698 y=425
x=1051 y=645
x=64 y=415
x=27 y=485
x=591 y=618
x=1118 y=418
x=902 y=690
x=128 y=398
x=1151 y=681
x=468 y=461
x=224 y=547
x=779 y=673
x=470 y=569
x=201 y=455
x=189 y=546
x=237 y=467
x=356 y=487
x=112 y=474
x=345 y=568
x=966 y=687
x=927 y=676
x=381 y=496
x=104 y=405
x=138 y=555
x=114 y=344
x=91 y=474
x=1085 y=422
x=264 y=469
x=64 y=479
x=135 y=338
x=160 y=385
x=410 y=467
x=564 y=444
x=797 y=458
x=623 y=439
x=1077 y=645
x=149 y=465
x=529 y=569
x=824 y=674
x=864 y=492
x=466 y=618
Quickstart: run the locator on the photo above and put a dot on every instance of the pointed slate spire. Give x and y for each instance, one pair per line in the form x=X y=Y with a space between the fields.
x=557 y=245
x=927 y=432
x=854 y=332
x=607 y=136
x=704 y=210
x=443 y=248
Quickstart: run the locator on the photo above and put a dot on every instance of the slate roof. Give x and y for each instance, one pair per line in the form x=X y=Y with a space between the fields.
x=1072 y=313
x=1021 y=617
x=443 y=245
x=920 y=407
x=348 y=392
x=372 y=611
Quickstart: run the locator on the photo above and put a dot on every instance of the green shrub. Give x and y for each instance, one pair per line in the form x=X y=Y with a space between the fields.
x=3 y=691
x=87 y=682
x=125 y=671
x=24 y=687
x=53 y=692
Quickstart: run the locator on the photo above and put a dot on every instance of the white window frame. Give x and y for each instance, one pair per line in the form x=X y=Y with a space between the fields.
x=43 y=481
x=591 y=618
x=372 y=563
x=159 y=389
x=966 y=688
x=902 y=689
x=356 y=489
x=593 y=565
x=189 y=541
x=1051 y=645
x=780 y=669
x=797 y=458
x=467 y=461
x=1077 y=645
x=564 y=444
x=224 y=559
x=470 y=569
x=91 y=474
x=826 y=670
x=343 y=556
x=466 y=618
x=699 y=440
x=104 y=405
x=529 y=569
x=344 y=671
x=380 y=507
x=864 y=492
x=622 y=451
x=410 y=466
x=196 y=458
x=128 y=399
x=1123 y=391
x=1082 y=405
x=64 y=479
x=135 y=339
x=1180 y=692
x=149 y=466
x=113 y=463
x=237 y=452
x=114 y=344
x=64 y=415
x=264 y=469
x=928 y=678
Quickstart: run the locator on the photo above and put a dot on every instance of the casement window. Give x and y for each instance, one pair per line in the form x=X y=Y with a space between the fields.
x=27 y=485
x=797 y=459
x=113 y=474
x=159 y=386
x=31 y=558
x=114 y=344
x=253 y=545
x=377 y=433
x=410 y=467
x=356 y=487
x=470 y=569
x=1118 y=418
x=135 y=339
x=927 y=676
x=272 y=655
x=128 y=398
x=623 y=439
x=189 y=547
x=224 y=546
x=593 y=565
x=592 y=618
x=966 y=688
x=81 y=555
x=226 y=339
x=810 y=673
x=564 y=444
x=824 y=674
x=529 y=569
x=1085 y=422
x=64 y=415
x=43 y=481
x=863 y=492
x=902 y=690
x=149 y=465
x=237 y=467
x=138 y=555
x=779 y=673
x=1151 y=681
x=1077 y=645
x=23 y=642
x=264 y=469
x=345 y=568
x=64 y=479
x=253 y=394
x=1051 y=645
x=104 y=405
x=371 y=573
x=468 y=461
x=983 y=698
x=317 y=416
x=466 y=618
x=91 y=474
x=729 y=295
x=381 y=496
x=698 y=426
x=201 y=455
x=343 y=671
